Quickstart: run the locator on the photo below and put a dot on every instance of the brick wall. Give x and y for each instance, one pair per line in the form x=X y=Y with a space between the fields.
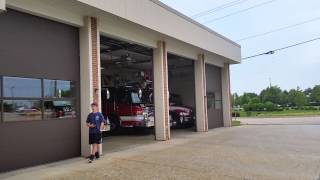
x=95 y=64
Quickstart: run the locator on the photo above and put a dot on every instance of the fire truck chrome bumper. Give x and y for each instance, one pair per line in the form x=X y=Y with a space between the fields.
x=150 y=122
x=137 y=121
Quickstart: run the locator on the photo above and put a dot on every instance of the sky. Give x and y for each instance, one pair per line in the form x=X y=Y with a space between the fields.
x=288 y=69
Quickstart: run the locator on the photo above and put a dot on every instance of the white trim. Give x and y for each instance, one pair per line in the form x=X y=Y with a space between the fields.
x=168 y=8
x=2 y=5
x=152 y=16
x=51 y=11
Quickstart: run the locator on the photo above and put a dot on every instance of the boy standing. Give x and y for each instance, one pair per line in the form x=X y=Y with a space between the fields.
x=95 y=122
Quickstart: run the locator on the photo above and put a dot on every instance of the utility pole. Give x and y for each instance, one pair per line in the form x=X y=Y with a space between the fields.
x=270 y=82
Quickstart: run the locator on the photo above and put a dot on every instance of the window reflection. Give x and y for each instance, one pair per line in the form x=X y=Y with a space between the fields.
x=21 y=110
x=27 y=99
x=214 y=100
x=49 y=88
x=64 y=88
x=59 y=109
x=58 y=88
x=210 y=100
x=21 y=87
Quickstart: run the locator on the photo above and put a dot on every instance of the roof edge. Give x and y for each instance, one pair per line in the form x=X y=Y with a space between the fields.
x=168 y=8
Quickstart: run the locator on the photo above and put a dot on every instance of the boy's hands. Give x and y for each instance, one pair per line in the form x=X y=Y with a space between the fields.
x=102 y=127
x=91 y=125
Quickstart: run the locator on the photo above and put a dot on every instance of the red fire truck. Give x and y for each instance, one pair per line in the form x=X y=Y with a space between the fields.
x=124 y=108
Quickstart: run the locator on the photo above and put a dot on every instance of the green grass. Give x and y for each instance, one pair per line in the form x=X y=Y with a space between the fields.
x=236 y=123
x=283 y=113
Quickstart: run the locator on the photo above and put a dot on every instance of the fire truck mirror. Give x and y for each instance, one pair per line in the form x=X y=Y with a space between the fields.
x=140 y=93
x=107 y=94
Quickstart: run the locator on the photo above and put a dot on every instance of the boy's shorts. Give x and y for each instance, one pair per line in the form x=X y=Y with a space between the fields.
x=95 y=138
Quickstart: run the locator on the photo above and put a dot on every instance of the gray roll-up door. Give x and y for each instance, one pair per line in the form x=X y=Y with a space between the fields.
x=38 y=125
x=214 y=96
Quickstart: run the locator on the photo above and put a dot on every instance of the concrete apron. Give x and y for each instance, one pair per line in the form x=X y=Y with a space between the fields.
x=245 y=152
x=77 y=164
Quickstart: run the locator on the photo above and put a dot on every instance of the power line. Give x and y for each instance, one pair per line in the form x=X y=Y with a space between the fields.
x=283 y=48
x=279 y=29
x=238 y=12
x=219 y=8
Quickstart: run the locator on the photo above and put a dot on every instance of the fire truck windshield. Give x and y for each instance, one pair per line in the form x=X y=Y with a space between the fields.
x=135 y=98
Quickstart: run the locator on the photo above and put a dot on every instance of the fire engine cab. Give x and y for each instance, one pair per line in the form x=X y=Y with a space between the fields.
x=124 y=108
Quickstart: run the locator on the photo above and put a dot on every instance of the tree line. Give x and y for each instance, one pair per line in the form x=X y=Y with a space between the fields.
x=274 y=98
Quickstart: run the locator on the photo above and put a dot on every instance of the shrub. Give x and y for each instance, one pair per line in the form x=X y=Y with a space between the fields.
x=246 y=107
x=269 y=106
x=279 y=109
x=260 y=107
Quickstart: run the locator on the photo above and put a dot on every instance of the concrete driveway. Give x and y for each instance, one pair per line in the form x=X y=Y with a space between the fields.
x=246 y=152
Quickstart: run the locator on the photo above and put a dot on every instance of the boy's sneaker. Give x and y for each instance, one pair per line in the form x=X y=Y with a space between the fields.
x=97 y=155
x=91 y=157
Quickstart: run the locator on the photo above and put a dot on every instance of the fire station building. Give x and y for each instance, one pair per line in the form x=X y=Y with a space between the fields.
x=54 y=55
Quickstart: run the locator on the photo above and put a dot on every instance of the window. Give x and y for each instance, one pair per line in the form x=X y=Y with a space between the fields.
x=26 y=99
x=214 y=100
x=59 y=109
x=21 y=87
x=49 y=88
x=135 y=98
x=21 y=110
x=58 y=88
x=218 y=102
x=210 y=100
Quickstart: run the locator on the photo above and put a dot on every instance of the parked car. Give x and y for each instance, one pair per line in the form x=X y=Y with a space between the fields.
x=124 y=108
x=180 y=115
x=33 y=111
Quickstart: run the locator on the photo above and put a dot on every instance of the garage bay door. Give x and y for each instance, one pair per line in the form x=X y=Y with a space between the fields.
x=39 y=91
x=214 y=96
